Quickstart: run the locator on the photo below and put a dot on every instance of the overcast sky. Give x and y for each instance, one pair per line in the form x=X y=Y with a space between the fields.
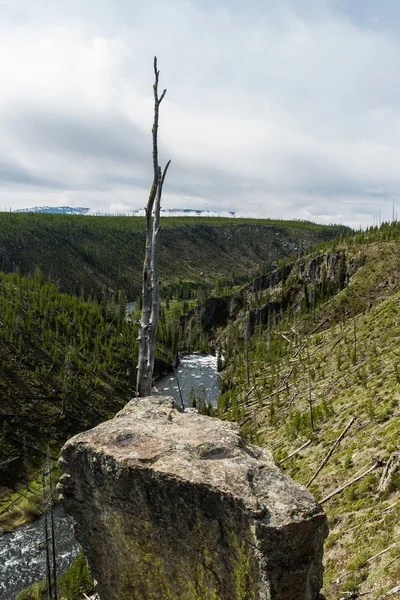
x=276 y=108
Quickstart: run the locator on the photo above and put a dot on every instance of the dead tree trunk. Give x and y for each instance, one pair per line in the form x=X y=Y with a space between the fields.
x=48 y=530
x=49 y=595
x=150 y=290
x=310 y=403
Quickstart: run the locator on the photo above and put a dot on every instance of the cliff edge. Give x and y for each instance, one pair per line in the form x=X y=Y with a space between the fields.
x=177 y=506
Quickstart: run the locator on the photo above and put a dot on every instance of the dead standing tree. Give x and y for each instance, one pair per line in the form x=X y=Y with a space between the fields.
x=150 y=291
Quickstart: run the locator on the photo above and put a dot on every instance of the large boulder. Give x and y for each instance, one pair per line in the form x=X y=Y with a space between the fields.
x=177 y=506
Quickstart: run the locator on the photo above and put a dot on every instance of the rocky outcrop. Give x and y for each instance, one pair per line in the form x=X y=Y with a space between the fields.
x=177 y=506
x=322 y=270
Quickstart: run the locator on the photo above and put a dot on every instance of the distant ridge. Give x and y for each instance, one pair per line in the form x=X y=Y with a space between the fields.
x=173 y=212
x=197 y=212
x=58 y=210
x=166 y=212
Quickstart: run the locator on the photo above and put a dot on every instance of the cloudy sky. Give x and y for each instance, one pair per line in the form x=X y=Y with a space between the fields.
x=277 y=108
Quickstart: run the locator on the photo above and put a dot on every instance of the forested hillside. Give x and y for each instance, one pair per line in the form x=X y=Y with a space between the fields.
x=67 y=353
x=93 y=255
x=311 y=350
x=65 y=365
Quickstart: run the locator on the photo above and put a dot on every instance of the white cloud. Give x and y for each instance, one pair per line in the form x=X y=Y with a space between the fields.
x=270 y=110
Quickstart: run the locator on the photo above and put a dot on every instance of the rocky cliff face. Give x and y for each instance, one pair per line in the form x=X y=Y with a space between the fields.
x=218 y=311
x=172 y=505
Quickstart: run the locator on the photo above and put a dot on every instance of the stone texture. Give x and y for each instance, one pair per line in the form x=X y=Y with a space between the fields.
x=172 y=505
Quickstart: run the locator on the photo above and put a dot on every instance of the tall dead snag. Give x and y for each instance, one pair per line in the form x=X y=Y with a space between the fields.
x=150 y=290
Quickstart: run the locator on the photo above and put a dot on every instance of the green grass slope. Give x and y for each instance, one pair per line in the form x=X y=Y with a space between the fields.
x=99 y=255
x=324 y=349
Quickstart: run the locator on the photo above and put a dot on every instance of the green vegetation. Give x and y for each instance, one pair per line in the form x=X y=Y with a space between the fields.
x=69 y=361
x=65 y=365
x=311 y=347
x=89 y=255
x=311 y=342
x=76 y=580
x=35 y=591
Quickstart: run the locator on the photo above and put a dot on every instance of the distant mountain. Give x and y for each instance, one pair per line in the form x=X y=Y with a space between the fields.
x=166 y=212
x=195 y=212
x=170 y=212
x=58 y=210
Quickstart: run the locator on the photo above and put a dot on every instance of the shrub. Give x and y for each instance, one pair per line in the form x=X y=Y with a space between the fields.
x=33 y=592
x=77 y=579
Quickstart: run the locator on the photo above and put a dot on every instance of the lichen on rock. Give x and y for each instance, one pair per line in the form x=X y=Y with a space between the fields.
x=175 y=505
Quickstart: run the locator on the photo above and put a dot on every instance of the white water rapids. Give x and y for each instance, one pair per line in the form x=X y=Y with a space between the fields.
x=198 y=379
x=22 y=555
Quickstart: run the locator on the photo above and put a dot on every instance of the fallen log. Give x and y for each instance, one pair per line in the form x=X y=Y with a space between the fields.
x=296 y=451
x=377 y=464
x=331 y=451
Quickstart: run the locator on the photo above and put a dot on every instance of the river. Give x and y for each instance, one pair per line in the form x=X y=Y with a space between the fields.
x=198 y=379
x=22 y=556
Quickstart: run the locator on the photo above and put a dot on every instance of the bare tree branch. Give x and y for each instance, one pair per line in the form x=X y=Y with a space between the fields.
x=8 y=462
